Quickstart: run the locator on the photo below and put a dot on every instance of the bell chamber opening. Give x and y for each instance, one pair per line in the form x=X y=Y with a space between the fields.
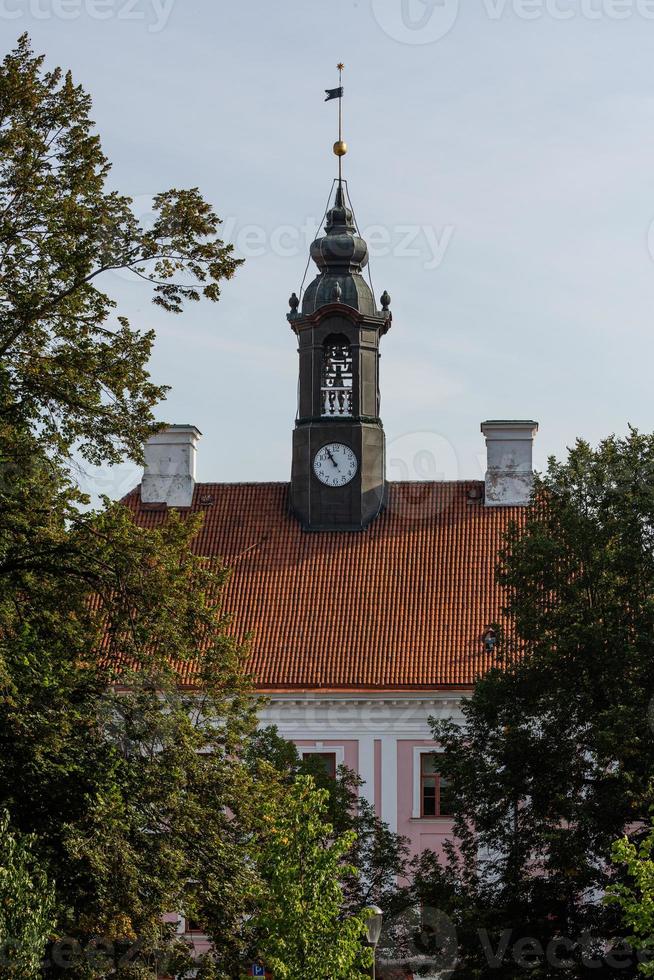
x=336 y=385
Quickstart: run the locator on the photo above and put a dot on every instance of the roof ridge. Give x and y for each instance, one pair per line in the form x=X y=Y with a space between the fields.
x=286 y=483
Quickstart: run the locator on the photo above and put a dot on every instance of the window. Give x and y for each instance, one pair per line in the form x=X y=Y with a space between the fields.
x=326 y=759
x=192 y=925
x=435 y=793
x=490 y=639
x=336 y=384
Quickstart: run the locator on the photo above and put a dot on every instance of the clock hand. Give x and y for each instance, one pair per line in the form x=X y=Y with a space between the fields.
x=332 y=458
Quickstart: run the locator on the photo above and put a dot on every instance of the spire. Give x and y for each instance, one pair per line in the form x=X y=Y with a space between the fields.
x=340 y=254
x=340 y=146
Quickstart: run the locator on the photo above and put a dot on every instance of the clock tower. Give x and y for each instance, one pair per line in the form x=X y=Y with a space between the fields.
x=338 y=470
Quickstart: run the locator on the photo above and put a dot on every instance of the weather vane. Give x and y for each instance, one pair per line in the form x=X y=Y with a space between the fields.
x=340 y=146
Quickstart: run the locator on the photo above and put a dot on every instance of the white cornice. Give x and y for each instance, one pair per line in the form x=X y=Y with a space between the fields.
x=382 y=697
x=342 y=716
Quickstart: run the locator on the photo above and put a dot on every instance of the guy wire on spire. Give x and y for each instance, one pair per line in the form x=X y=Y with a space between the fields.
x=320 y=223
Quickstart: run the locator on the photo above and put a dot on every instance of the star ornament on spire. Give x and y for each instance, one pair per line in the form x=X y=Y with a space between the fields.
x=336 y=93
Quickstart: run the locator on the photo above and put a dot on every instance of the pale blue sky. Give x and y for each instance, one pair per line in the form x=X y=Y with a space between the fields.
x=504 y=152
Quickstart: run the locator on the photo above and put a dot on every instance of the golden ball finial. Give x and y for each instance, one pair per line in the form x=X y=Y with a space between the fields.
x=340 y=148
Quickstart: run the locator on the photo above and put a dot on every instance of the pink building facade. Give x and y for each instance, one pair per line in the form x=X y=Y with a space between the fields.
x=386 y=741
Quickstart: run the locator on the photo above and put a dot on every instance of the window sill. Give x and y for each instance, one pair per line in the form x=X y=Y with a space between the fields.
x=430 y=819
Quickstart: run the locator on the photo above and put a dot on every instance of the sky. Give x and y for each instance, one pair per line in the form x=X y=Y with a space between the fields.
x=501 y=165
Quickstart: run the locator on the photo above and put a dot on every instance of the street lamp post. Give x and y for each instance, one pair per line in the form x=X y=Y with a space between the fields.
x=373 y=931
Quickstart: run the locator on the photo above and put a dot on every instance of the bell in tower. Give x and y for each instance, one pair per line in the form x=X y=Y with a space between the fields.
x=338 y=470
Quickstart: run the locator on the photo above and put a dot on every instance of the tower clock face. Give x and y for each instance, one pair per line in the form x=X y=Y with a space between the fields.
x=335 y=464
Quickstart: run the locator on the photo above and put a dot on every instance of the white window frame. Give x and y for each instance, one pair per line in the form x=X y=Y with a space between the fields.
x=337 y=750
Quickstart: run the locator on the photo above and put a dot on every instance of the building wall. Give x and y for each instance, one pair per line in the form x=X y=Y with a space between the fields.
x=379 y=736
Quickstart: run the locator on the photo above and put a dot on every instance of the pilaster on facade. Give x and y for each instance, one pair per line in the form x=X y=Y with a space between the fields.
x=389 y=782
x=380 y=735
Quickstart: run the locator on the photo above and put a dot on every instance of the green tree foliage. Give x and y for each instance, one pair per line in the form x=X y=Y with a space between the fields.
x=128 y=781
x=301 y=924
x=635 y=899
x=71 y=366
x=26 y=907
x=379 y=855
x=556 y=752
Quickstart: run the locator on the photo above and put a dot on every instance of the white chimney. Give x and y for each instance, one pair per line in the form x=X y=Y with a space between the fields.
x=169 y=474
x=509 y=473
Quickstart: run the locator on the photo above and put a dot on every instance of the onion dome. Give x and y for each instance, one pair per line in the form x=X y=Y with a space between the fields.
x=340 y=255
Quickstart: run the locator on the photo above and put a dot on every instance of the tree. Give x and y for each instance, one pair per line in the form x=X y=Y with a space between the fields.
x=301 y=925
x=554 y=759
x=70 y=367
x=73 y=372
x=26 y=907
x=636 y=899
x=379 y=856
x=128 y=780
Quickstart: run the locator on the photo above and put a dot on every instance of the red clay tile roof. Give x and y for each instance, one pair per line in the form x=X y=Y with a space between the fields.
x=402 y=605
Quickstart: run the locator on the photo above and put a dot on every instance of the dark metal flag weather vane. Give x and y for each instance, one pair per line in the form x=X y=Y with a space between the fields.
x=340 y=146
